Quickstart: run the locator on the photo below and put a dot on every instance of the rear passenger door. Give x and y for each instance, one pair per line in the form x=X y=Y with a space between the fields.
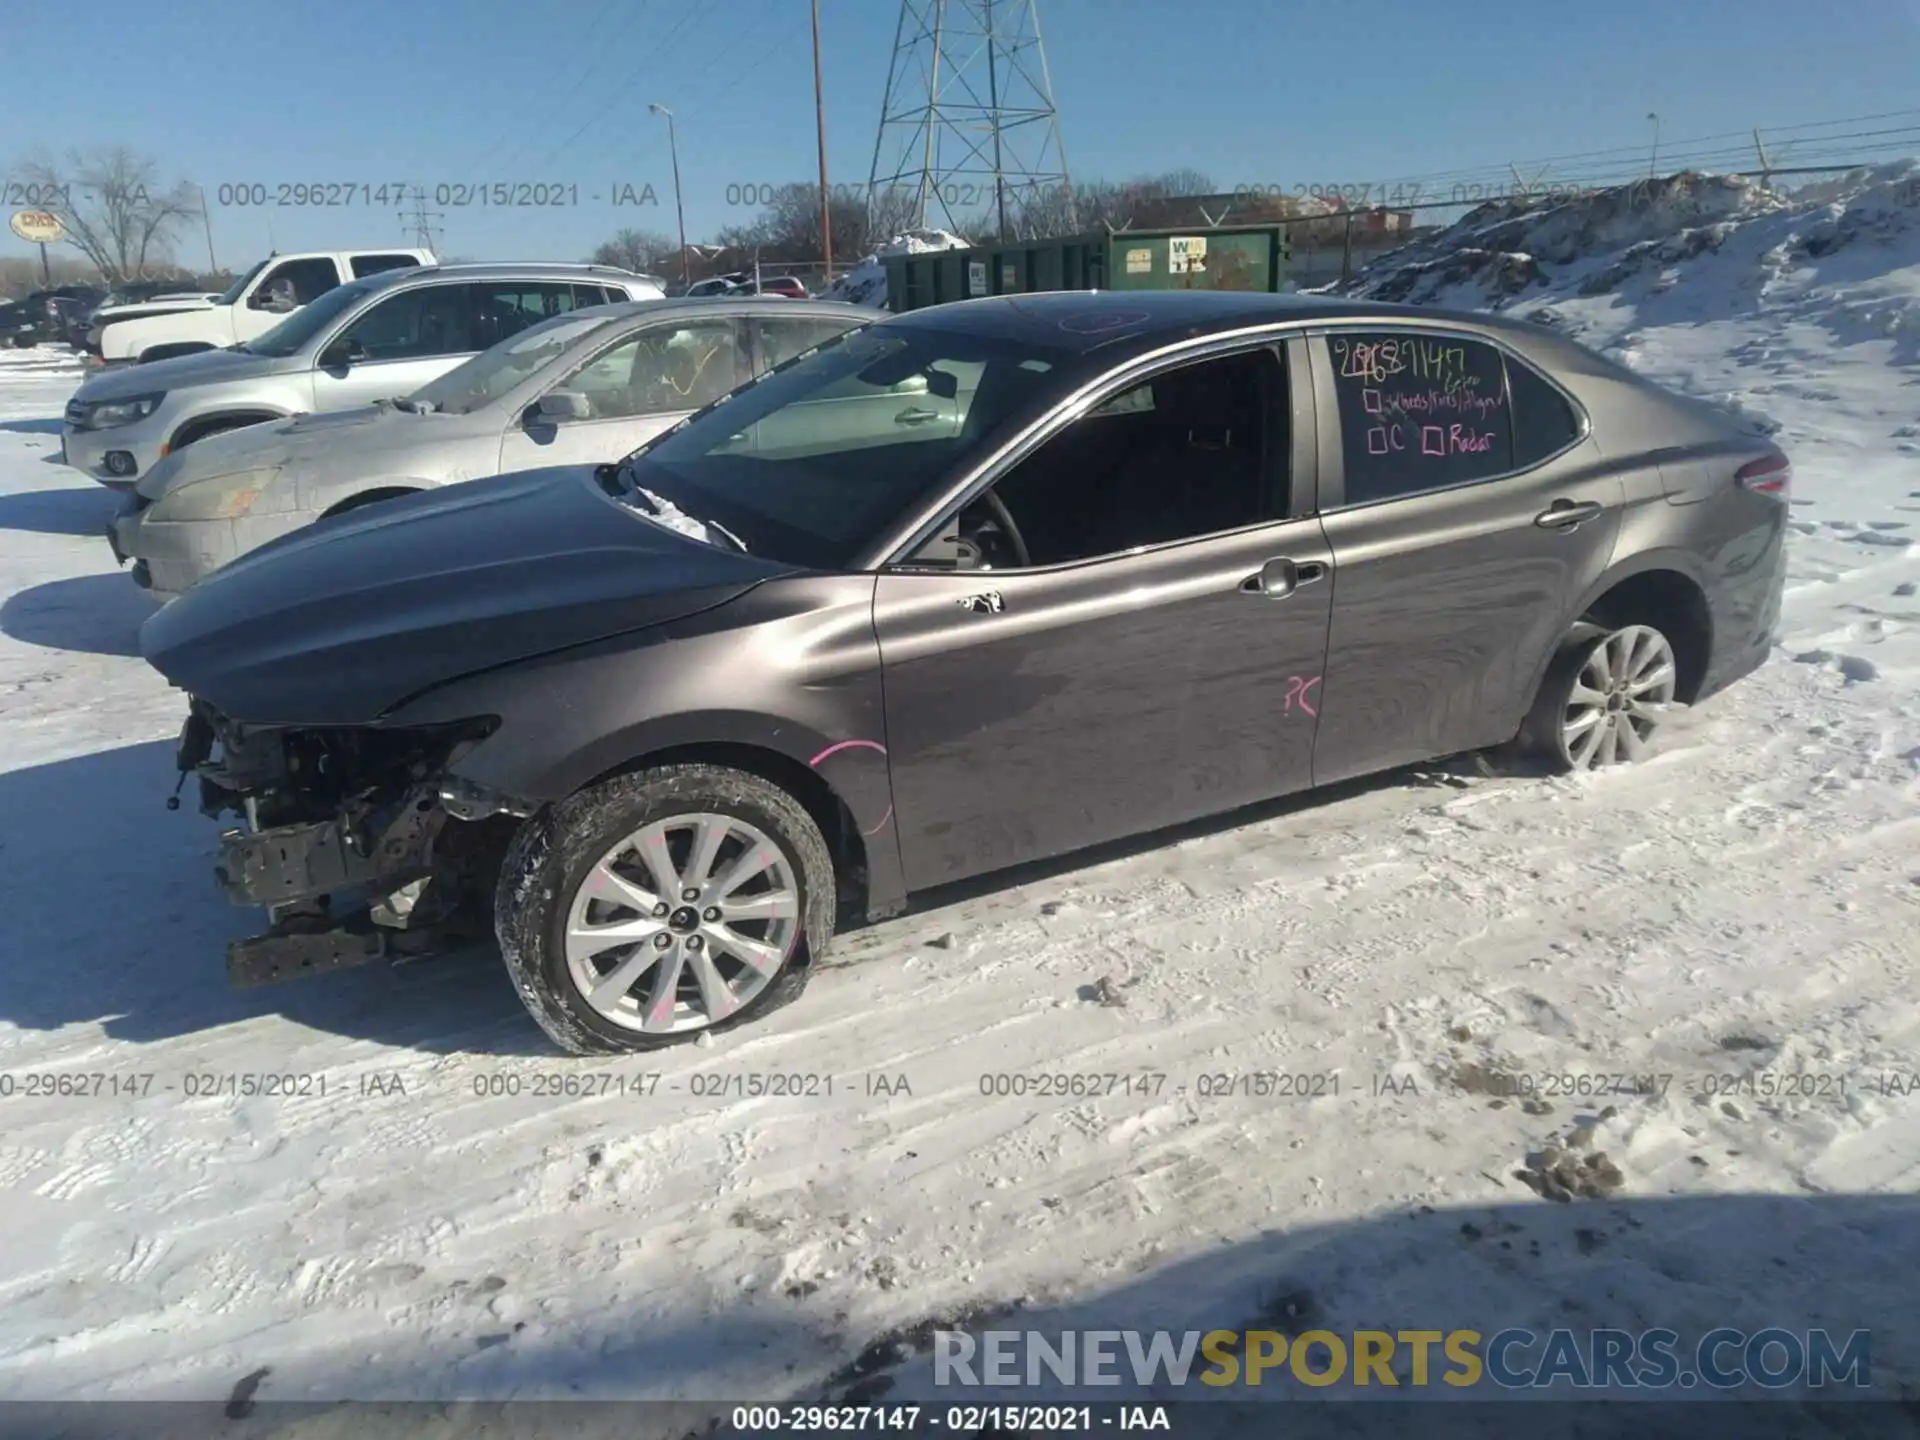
x=1467 y=509
x=633 y=389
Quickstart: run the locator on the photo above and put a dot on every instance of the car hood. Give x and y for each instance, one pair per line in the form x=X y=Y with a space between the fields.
x=204 y=367
x=143 y=309
x=339 y=622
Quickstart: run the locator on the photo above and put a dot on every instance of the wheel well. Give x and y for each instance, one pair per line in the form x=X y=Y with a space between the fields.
x=199 y=429
x=822 y=802
x=369 y=497
x=1674 y=605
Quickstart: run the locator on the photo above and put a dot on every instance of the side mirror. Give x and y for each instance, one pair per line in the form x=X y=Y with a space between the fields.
x=559 y=406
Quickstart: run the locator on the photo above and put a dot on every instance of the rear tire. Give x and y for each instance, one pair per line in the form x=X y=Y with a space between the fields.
x=1602 y=699
x=606 y=950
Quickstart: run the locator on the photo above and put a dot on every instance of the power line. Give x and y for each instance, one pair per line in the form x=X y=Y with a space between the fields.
x=610 y=51
x=487 y=151
x=627 y=90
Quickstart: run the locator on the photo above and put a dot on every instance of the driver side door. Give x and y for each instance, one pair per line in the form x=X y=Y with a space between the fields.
x=395 y=346
x=1147 y=651
x=633 y=389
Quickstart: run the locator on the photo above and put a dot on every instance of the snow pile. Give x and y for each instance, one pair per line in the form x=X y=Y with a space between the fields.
x=1595 y=244
x=866 y=283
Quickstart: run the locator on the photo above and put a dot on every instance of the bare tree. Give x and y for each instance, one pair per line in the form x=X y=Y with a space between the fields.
x=638 y=250
x=116 y=210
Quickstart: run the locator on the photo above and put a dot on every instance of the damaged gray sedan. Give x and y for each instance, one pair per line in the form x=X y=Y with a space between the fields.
x=584 y=387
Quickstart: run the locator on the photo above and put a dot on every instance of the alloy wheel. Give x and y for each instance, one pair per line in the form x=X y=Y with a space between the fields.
x=682 y=923
x=1618 y=698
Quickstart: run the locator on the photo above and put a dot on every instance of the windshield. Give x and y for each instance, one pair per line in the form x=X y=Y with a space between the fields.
x=492 y=373
x=813 y=464
x=231 y=295
x=309 y=320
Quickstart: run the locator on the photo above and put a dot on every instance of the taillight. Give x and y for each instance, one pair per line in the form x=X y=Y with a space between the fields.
x=1771 y=476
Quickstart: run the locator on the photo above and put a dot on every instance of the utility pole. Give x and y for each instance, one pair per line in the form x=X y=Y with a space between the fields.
x=1766 y=166
x=421 y=220
x=820 y=123
x=206 y=220
x=1653 y=161
x=679 y=207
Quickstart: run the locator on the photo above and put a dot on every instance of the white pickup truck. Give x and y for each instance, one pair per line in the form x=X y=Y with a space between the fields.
x=252 y=305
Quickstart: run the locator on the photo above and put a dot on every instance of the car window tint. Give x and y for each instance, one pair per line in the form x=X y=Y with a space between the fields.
x=503 y=309
x=1543 y=422
x=417 y=324
x=781 y=340
x=1418 y=412
x=310 y=279
x=1182 y=455
x=364 y=265
x=662 y=370
x=814 y=462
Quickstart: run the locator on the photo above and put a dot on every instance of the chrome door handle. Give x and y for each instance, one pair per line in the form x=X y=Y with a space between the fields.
x=913 y=415
x=1278 y=579
x=1567 y=514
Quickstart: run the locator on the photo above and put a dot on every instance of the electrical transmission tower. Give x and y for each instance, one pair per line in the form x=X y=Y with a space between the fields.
x=420 y=221
x=969 y=122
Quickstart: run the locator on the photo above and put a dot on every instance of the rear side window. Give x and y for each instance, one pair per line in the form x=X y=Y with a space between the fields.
x=1419 y=412
x=585 y=295
x=1543 y=422
x=504 y=308
x=365 y=265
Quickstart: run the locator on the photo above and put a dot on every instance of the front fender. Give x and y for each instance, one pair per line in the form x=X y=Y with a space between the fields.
x=791 y=668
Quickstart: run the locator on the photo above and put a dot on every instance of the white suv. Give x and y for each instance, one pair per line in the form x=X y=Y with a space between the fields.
x=373 y=339
x=252 y=305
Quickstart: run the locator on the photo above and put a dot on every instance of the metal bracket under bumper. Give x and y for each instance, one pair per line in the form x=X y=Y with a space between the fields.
x=292 y=862
x=269 y=959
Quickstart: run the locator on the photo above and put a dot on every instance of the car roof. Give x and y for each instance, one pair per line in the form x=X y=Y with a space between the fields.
x=584 y=274
x=698 y=305
x=1083 y=321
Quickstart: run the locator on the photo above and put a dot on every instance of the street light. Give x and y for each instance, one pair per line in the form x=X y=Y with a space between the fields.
x=679 y=208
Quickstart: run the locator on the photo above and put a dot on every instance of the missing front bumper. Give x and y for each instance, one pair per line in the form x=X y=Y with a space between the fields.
x=292 y=862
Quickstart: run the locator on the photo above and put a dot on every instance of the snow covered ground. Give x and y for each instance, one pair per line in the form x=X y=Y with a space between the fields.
x=1742 y=909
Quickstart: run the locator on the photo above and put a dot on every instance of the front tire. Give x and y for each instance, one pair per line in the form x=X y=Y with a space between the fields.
x=1602 y=699
x=656 y=907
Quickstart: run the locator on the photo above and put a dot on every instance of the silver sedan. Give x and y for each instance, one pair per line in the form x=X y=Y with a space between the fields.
x=585 y=387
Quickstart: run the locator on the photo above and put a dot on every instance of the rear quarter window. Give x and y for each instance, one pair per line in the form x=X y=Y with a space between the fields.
x=1544 y=423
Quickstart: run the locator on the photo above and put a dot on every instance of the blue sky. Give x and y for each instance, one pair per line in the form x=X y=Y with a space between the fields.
x=1250 y=91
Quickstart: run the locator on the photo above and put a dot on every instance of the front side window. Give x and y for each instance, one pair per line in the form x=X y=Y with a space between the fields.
x=494 y=373
x=1189 y=453
x=304 y=324
x=1419 y=412
x=304 y=280
x=662 y=370
x=425 y=322
x=813 y=464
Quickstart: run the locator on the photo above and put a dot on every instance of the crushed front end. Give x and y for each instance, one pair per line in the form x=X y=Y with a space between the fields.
x=355 y=840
